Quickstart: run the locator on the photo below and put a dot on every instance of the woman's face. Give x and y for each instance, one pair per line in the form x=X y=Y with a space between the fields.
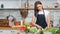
x=39 y=6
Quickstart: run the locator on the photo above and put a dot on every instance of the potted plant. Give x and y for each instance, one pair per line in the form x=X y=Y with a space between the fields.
x=11 y=20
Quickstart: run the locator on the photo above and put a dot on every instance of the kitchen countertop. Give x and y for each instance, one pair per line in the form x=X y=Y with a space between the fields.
x=9 y=28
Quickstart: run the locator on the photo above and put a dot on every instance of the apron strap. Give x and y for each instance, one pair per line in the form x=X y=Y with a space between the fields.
x=44 y=14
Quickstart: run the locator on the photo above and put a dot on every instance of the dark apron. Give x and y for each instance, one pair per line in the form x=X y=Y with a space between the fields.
x=41 y=20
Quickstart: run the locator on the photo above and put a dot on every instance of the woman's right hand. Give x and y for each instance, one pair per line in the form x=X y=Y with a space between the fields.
x=39 y=27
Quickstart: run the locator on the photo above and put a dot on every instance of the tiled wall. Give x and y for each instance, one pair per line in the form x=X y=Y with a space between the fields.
x=15 y=13
x=44 y=2
x=20 y=3
x=10 y=3
x=55 y=17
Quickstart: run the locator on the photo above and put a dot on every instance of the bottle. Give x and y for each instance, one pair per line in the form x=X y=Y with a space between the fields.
x=2 y=6
x=26 y=5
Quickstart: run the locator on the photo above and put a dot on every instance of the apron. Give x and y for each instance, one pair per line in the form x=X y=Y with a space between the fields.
x=41 y=20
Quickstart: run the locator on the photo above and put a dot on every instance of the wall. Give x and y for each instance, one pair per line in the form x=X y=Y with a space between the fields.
x=10 y=4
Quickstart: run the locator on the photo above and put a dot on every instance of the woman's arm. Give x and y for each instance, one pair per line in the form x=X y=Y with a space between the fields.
x=48 y=21
x=33 y=22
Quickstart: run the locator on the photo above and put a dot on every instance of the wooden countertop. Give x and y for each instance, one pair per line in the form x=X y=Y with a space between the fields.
x=9 y=28
x=44 y=8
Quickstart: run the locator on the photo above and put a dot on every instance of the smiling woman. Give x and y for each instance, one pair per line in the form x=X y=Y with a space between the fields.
x=42 y=16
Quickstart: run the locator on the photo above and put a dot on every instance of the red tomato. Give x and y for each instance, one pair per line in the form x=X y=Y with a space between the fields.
x=22 y=28
x=31 y=26
x=17 y=23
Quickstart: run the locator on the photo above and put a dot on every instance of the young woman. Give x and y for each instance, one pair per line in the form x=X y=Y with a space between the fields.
x=41 y=17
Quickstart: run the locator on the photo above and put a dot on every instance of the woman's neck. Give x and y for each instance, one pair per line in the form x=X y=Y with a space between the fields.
x=41 y=10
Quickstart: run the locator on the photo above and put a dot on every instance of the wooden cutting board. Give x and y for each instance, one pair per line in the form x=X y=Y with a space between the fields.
x=4 y=23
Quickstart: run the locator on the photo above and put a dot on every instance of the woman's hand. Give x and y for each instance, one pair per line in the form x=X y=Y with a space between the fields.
x=48 y=27
x=39 y=27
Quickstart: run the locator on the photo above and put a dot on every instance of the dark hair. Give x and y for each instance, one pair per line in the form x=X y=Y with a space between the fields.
x=35 y=7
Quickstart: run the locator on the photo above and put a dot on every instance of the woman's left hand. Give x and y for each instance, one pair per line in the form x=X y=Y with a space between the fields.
x=47 y=27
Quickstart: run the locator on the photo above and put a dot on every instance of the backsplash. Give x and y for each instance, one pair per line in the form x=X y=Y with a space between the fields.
x=15 y=13
x=44 y=2
x=10 y=3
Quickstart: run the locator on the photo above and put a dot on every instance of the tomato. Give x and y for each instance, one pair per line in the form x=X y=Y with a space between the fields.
x=22 y=28
x=31 y=26
x=17 y=23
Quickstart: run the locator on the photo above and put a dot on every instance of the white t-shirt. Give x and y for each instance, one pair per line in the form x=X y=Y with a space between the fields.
x=45 y=12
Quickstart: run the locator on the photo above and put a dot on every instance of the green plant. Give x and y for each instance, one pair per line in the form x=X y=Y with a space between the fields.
x=41 y=32
x=58 y=31
x=53 y=30
x=33 y=30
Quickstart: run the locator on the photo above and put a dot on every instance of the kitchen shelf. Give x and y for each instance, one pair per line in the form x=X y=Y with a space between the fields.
x=28 y=8
x=44 y=8
x=9 y=8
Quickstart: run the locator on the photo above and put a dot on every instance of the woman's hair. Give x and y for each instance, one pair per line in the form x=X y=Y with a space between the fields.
x=35 y=7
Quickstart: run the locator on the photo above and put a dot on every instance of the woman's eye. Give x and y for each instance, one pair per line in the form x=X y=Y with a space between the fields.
x=38 y=6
